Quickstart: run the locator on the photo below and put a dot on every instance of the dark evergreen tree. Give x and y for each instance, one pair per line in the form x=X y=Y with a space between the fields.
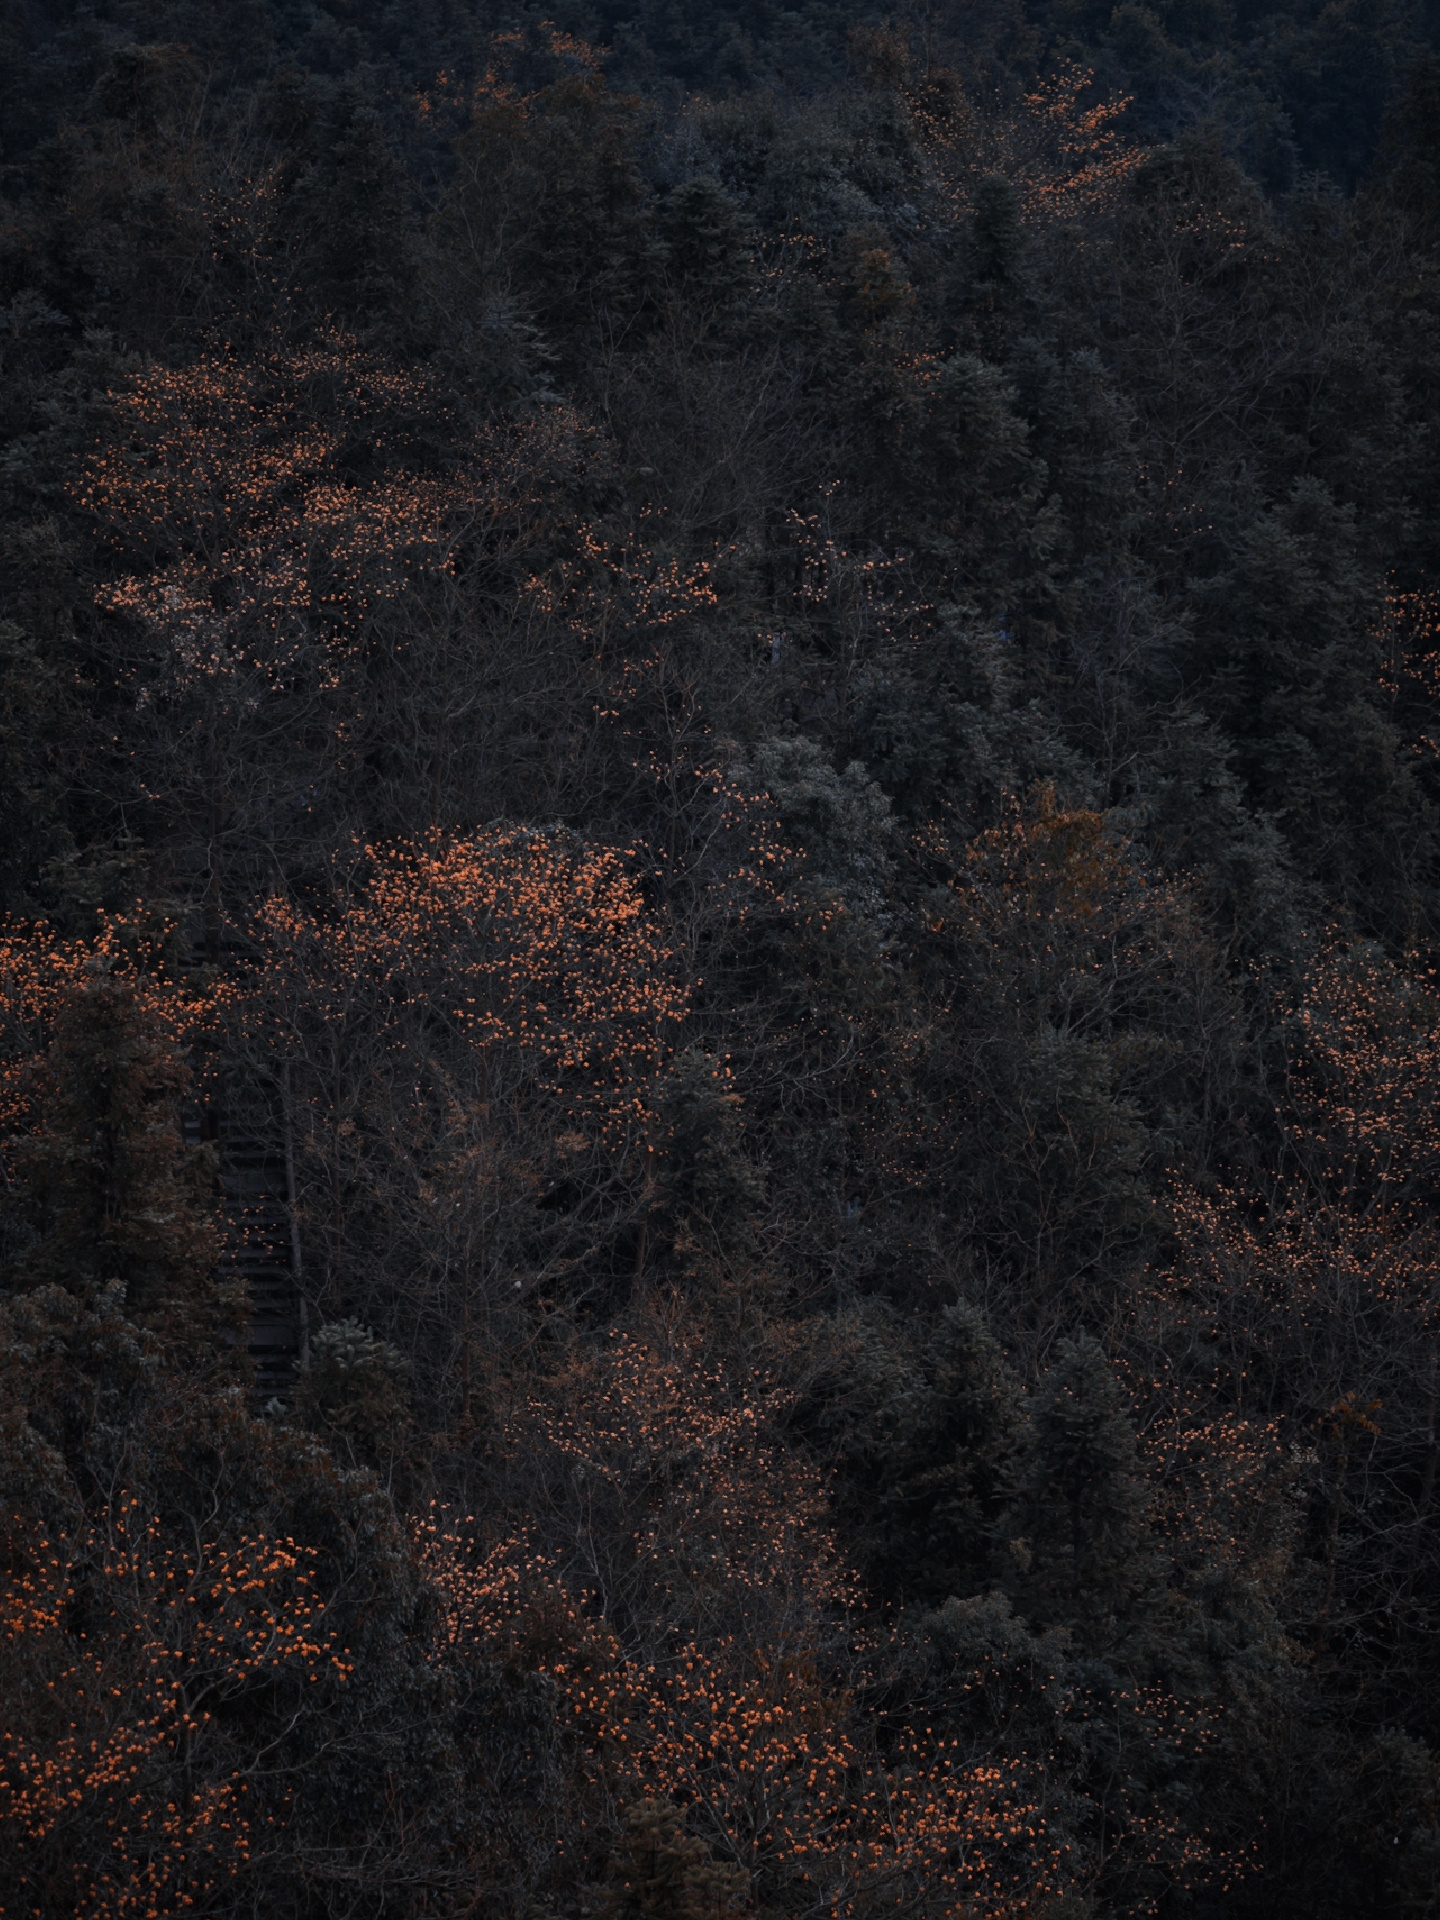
x=706 y=1187
x=347 y=213
x=947 y=1460
x=927 y=1435
x=111 y=1192
x=709 y=241
x=659 y=1872
x=1080 y=1546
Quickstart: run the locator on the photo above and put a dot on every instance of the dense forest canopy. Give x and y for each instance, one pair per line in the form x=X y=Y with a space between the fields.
x=719 y=906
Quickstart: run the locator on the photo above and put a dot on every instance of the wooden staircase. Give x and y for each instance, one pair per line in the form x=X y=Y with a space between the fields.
x=259 y=1246
x=257 y=1249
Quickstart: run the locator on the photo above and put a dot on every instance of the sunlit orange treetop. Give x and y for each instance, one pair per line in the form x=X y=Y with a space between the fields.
x=737 y=1698
x=523 y=941
x=132 y=1738
x=1068 y=160
x=39 y=972
x=252 y=496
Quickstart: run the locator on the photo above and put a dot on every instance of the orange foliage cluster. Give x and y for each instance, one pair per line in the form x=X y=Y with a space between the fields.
x=1367 y=1058
x=858 y=590
x=1344 y=1233
x=1068 y=161
x=449 y=102
x=1060 y=863
x=772 y=1760
x=240 y=496
x=526 y=939
x=135 y=1646
x=763 y=863
x=608 y=589
x=1057 y=889
x=754 y=1724
x=1085 y=161
x=1212 y=1477
x=39 y=972
x=716 y=1514
x=1363 y=1136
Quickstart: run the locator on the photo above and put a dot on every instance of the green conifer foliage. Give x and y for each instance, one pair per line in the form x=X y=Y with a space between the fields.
x=347 y=210
x=113 y=1192
x=706 y=1184
x=547 y=203
x=38 y=711
x=1290 y=634
x=709 y=240
x=1411 y=145
x=659 y=1872
x=949 y=456
x=997 y=238
x=1079 y=1544
x=840 y=818
x=942 y=1473
x=353 y=1394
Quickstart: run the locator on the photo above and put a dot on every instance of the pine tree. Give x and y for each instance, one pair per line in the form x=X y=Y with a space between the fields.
x=709 y=240
x=114 y=1191
x=659 y=1872
x=353 y=1395
x=349 y=214
x=1079 y=1542
x=706 y=1184
x=927 y=1439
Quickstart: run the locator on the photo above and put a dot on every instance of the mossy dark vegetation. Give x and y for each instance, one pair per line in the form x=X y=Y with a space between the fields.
x=720 y=748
